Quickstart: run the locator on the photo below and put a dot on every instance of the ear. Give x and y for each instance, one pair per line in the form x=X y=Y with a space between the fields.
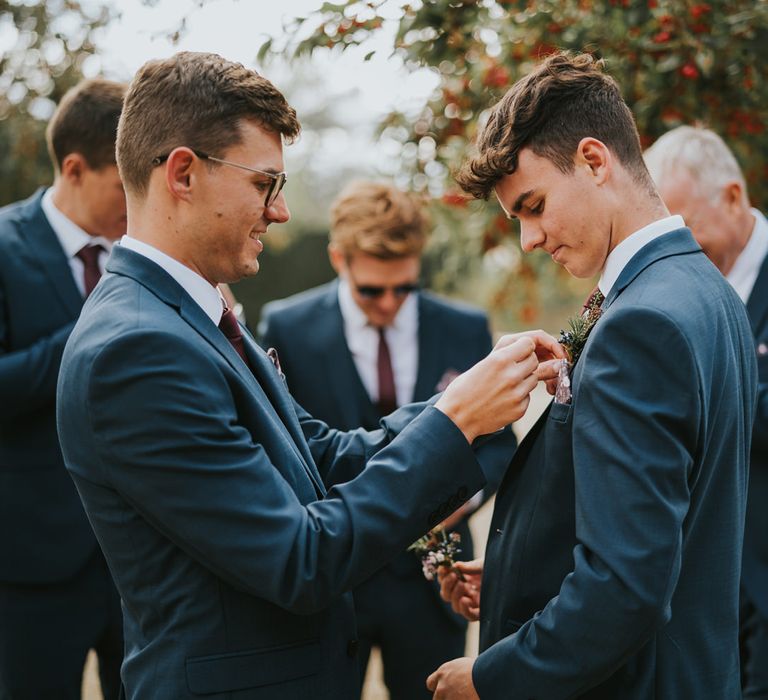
x=595 y=155
x=179 y=169
x=338 y=260
x=73 y=168
x=733 y=197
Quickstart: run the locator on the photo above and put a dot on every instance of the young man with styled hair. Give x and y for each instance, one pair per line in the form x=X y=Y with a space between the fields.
x=204 y=481
x=613 y=560
x=381 y=343
x=698 y=177
x=57 y=599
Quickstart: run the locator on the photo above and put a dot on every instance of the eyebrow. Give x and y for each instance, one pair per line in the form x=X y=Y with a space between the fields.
x=518 y=205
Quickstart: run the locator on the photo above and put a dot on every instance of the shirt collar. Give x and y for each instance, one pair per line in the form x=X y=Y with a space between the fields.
x=619 y=257
x=205 y=295
x=747 y=266
x=354 y=317
x=71 y=237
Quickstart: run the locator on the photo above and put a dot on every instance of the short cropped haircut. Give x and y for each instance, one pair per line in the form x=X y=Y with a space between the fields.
x=379 y=220
x=196 y=100
x=85 y=122
x=699 y=152
x=564 y=99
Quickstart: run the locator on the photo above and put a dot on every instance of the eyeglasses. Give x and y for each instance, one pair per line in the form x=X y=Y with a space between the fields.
x=276 y=180
x=400 y=290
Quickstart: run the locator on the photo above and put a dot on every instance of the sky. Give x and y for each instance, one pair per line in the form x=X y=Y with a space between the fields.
x=360 y=93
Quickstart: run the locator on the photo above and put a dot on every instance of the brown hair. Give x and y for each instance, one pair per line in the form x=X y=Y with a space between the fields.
x=563 y=100
x=379 y=220
x=196 y=100
x=85 y=122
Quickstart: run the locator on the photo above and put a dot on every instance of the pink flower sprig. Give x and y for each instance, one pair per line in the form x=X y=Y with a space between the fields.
x=437 y=548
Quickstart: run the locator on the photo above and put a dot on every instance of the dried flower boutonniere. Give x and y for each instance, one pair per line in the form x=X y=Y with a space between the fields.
x=573 y=341
x=437 y=548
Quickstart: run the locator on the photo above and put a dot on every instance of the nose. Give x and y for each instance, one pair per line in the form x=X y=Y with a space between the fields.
x=278 y=212
x=531 y=237
x=389 y=302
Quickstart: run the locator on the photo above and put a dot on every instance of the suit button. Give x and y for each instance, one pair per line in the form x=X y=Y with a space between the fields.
x=352 y=647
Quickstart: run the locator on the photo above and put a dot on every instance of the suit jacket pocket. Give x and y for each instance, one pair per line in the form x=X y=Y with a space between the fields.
x=559 y=412
x=239 y=670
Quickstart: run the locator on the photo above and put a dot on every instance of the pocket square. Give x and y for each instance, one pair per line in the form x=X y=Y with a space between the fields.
x=446 y=379
x=272 y=355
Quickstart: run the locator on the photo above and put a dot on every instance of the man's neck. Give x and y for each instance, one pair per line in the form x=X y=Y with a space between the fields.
x=66 y=201
x=639 y=213
x=725 y=265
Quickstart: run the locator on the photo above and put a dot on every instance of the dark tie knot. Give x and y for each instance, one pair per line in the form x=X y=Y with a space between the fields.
x=89 y=254
x=594 y=301
x=229 y=325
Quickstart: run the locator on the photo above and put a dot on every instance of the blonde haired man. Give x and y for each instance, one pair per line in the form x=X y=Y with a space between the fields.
x=381 y=342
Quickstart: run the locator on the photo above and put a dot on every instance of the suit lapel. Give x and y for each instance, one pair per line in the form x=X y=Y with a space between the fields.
x=281 y=401
x=678 y=242
x=352 y=399
x=46 y=249
x=757 y=304
x=160 y=283
x=430 y=360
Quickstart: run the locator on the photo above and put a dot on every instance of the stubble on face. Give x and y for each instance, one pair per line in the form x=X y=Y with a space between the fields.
x=232 y=213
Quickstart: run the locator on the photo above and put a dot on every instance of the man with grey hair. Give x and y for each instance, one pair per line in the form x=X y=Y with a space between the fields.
x=698 y=177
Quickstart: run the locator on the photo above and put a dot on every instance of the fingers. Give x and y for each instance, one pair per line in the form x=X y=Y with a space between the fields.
x=470 y=567
x=432 y=681
x=548 y=370
x=545 y=345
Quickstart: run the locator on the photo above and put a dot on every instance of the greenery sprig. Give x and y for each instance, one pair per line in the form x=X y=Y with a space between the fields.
x=574 y=339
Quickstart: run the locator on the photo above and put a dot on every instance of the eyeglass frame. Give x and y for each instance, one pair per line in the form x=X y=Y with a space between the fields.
x=277 y=180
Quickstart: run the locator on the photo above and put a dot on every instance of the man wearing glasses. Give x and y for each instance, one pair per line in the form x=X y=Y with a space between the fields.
x=352 y=351
x=226 y=513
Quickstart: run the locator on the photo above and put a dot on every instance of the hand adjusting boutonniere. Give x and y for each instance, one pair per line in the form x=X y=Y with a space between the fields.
x=437 y=548
x=573 y=341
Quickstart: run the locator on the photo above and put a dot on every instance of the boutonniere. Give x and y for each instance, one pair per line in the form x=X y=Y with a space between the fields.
x=573 y=341
x=579 y=327
x=437 y=548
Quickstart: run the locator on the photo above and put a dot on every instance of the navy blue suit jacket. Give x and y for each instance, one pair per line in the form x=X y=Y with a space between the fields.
x=308 y=332
x=755 y=567
x=206 y=487
x=613 y=563
x=46 y=536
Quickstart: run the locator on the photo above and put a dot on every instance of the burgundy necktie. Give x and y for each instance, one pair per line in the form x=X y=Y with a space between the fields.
x=231 y=329
x=594 y=300
x=387 y=393
x=89 y=254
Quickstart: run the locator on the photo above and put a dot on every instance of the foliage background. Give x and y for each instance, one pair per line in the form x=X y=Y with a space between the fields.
x=678 y=61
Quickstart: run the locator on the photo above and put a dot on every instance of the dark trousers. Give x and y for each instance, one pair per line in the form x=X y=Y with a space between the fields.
x=405 y=618
x=46 y=631
x=753 y=643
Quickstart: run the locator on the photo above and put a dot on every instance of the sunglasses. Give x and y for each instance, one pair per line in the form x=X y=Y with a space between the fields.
x=276 y=184
x=371 y=292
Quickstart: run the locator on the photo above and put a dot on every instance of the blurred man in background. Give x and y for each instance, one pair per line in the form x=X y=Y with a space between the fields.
x=699 y=177
x=57 y=599
x=352 y=351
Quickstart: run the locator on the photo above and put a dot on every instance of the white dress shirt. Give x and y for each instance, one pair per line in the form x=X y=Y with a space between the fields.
x=745 y=270
x=619 y=257
x=363 y=342
x=73 y=239
x=207 y=297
